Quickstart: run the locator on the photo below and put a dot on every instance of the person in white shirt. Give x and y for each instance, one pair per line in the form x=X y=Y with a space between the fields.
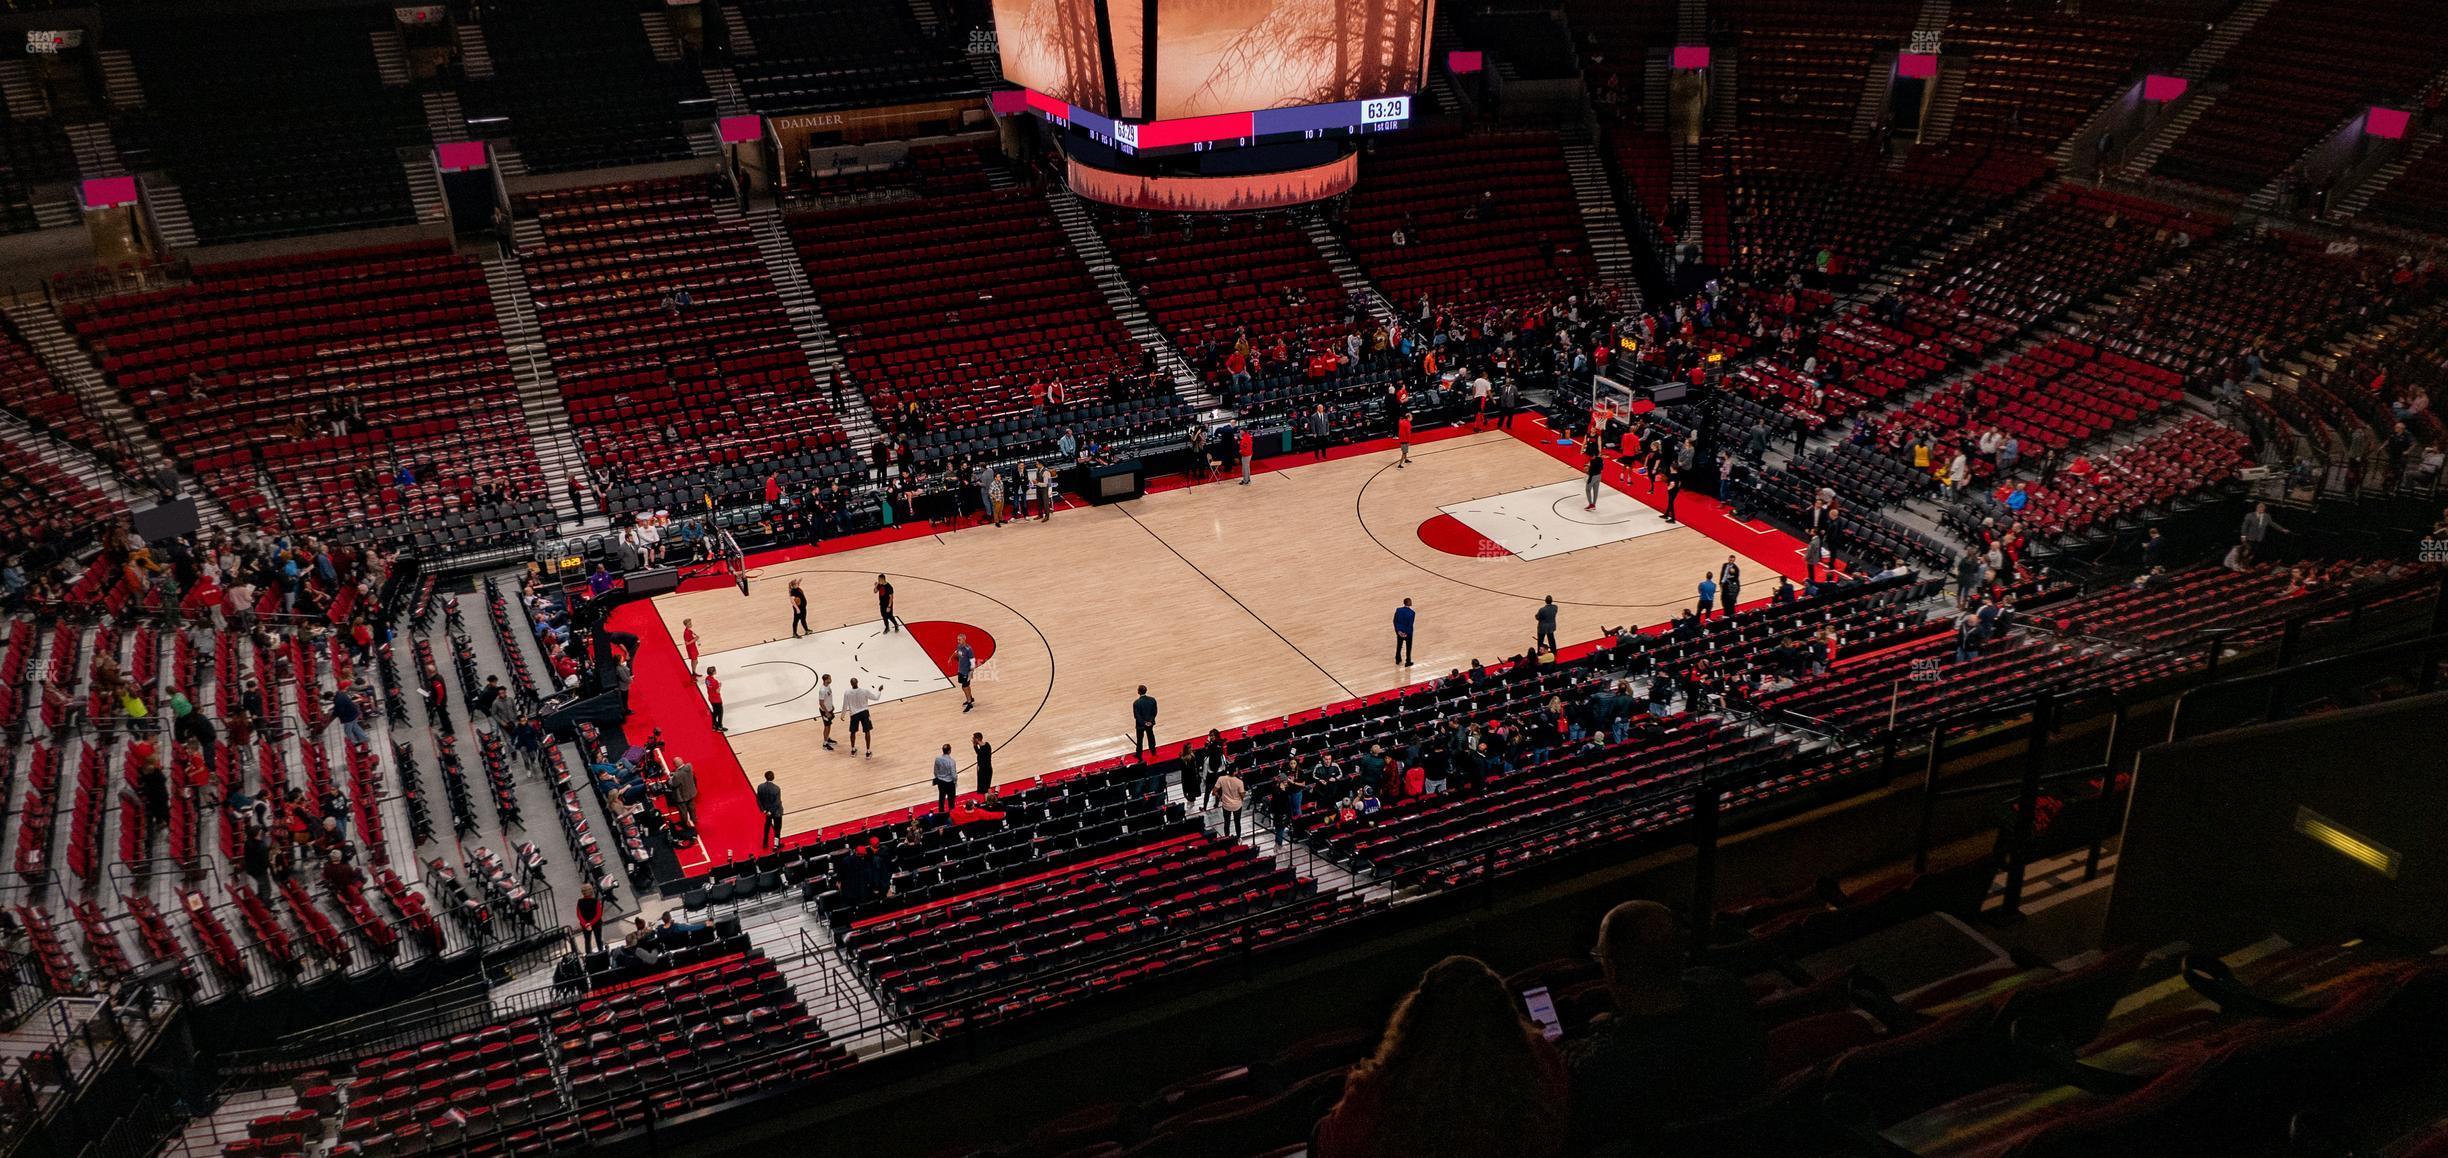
x=824 y=709
x=856 y=701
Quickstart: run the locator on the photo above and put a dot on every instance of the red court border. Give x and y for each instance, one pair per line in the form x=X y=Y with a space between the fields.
x=664 y=695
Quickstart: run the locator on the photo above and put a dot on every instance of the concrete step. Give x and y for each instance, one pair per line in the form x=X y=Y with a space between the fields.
x=475 y=60
x=97 y=155
x=1355 y=282
x=425 y=189
x=443 y=117
x=73 y=367
x=26 y=101
x=119 y=84
x=659 y=38
x=168 y=208
x=1601 y=220
x=728 y=100
x=390 y=56
x=1093 y=252
x=808 y=322
x=548 y=421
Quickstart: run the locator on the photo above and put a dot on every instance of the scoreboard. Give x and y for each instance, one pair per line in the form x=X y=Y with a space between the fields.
x=1227 y=130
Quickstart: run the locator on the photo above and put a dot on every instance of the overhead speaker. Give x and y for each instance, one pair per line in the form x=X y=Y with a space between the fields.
x=165 y=520
x=653 y=581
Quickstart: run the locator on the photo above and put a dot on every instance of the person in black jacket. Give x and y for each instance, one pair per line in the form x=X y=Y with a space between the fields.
x=1143 y=724
x=985 y=763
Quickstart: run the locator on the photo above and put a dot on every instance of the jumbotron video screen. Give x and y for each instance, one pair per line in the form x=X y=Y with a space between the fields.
x=1203 y=58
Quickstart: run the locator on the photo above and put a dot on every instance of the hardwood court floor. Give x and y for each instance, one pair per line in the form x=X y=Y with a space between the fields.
x=1233 y=604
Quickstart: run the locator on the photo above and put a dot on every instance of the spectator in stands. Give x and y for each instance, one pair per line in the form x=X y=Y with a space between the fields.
x=1679 y=1044
x=1227 y=792
x=681 y=790
x=344 y=712
x=1457 y=1074
x=153 y=790
x=590 y=912
x=947 y=783
x=2257 y=526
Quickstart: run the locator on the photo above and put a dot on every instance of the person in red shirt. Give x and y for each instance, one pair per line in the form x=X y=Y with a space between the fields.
x=688 y=640
x=1402 y=438
x=773 y=490
x=1249 y=450
x=714 y=698
x=590 y=918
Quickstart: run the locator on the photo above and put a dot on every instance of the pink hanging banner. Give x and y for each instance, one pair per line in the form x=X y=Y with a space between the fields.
x=2389 y=123
x=2163 y=88
x=109 y=192
x=1691 y=56
x=1460 y=61
x=1006 y=102
x=461 y=156
x=741 y=129
x=1917 y=65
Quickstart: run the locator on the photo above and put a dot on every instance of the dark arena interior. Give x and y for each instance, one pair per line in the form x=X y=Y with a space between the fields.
x=1830 y=578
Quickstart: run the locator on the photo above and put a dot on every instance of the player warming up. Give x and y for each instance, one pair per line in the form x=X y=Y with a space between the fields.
x=884 y=604
x=964 y=664
x=856 y=701
x=824 y=707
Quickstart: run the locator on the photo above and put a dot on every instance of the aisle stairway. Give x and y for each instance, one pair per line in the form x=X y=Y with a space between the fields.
x=168 y=208
x=659 y=38
x=809 y=323
x=79 y=463
x=1686 y=185
x=1938 y=120
x=119 y=85
x=1339 y=259
x=548 y=421
x=1092 y=251
x=475 y=60
x=390 y=56
x=443 y=117
x=26 y=101
x=2356 y=200
x=2141 y=154
x=1601 y=220
x=97 y=155
x=424 y=187
x=72 y=367
x=1871 y=107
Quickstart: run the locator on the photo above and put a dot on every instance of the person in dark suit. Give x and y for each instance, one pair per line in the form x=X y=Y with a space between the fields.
x=1729 y=585
x=1143 y=724
x=769 y=802
x=1546 y=625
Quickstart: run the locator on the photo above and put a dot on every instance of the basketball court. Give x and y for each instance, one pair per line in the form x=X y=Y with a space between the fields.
x=1232 y=604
